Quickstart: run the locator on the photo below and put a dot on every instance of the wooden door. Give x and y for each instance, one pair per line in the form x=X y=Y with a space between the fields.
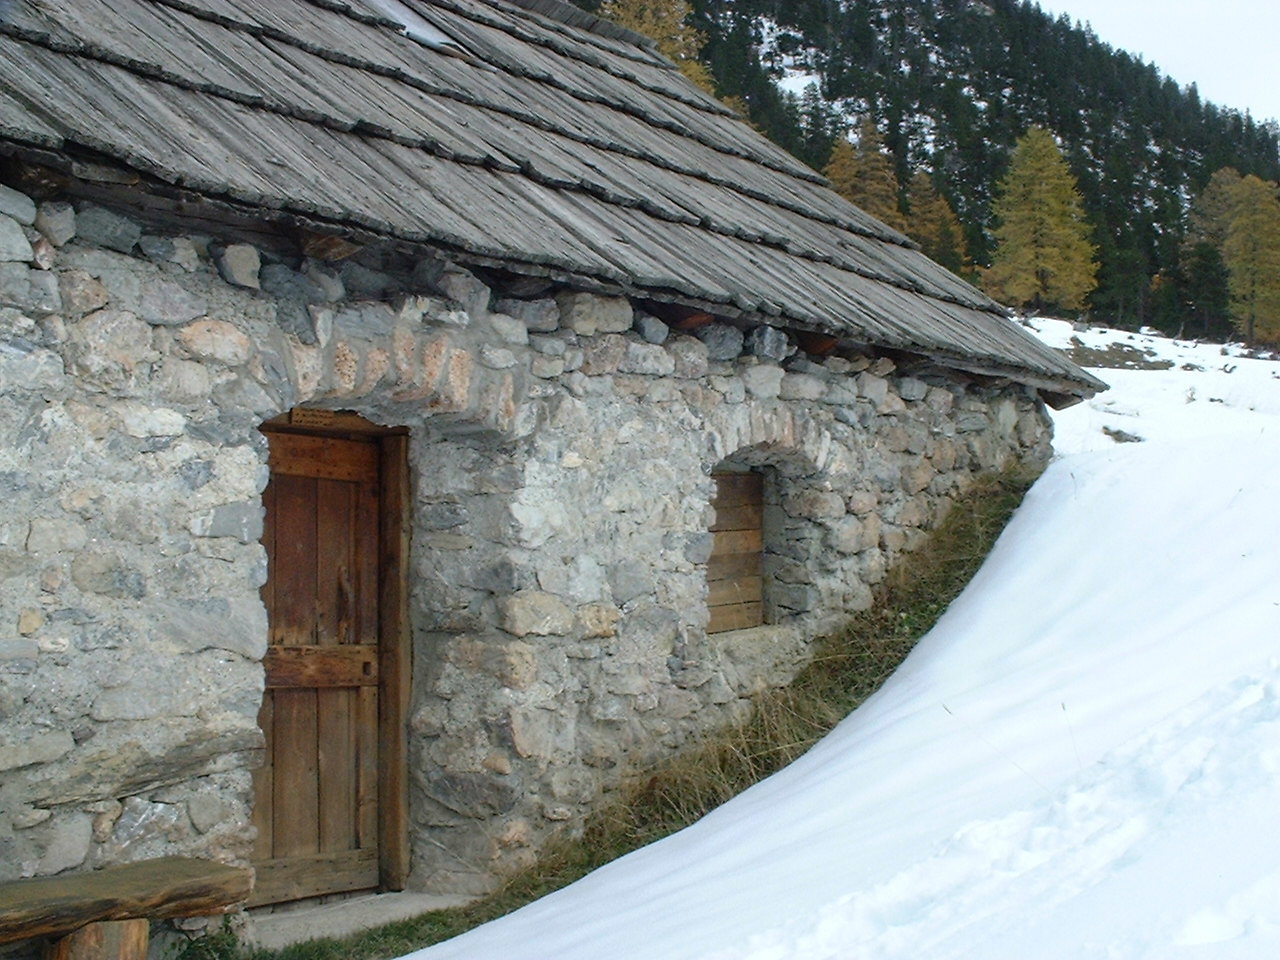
x=318 y=805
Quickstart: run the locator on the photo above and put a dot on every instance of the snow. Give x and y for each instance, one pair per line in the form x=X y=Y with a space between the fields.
x=793 y=72
x=1081 y=760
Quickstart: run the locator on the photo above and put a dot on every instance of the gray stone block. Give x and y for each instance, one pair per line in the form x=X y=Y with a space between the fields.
x=478 y=795
x=535 y=612
x=497 y=358
x=873 y=388
x=17 y=205
x=56 y=221
x=239 y=264
x=165 y=303
x=724 y=341
x=601 y=355
x=240 y=520
x=109 y=575
x=909 y=388
x=40 y=747
x=281 y=281
x=768 y=343
x=648 y=359
x=588 y=313
x=508 y=329
x=464 y=288
x=68 y=845
x=690 y=355
x=801 y=386
x=629 y=579
x=106 y=228
x=538 y=316
x=651 y=328
x=56 y=535
x=763 y=381
x=156 y=248
x=14 y=245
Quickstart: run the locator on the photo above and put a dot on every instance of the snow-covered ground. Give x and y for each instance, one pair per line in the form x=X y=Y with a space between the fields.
x=1082 y=760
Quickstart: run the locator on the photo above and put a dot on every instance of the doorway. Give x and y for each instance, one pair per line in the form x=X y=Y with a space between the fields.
x=330 y=799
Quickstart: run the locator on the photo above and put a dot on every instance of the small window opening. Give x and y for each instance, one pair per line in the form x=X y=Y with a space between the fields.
x=735 y=572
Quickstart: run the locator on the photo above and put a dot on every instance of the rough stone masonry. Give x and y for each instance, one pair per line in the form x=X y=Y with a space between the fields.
x=561 y=446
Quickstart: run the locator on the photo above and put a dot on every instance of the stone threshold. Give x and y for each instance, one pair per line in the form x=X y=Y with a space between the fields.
x=274 y=931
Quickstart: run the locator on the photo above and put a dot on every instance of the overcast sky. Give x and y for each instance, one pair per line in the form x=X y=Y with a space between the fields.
x=1229 y=48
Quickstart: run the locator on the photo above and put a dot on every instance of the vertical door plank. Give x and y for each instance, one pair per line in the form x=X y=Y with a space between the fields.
x=366 y=560
x=335 y=522
x=295 y=561
x=366 y=575
x=337 y=746
x=335 y=553
x=368 y=769
x=297 y=802
x=337 y=772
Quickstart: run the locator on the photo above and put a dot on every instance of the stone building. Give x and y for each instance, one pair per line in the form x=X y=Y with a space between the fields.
x=414 y=416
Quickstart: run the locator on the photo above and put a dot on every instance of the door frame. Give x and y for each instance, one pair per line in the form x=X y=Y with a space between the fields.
x=395 y=659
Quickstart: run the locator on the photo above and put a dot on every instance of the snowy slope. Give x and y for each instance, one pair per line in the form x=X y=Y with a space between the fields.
x=1081 y=760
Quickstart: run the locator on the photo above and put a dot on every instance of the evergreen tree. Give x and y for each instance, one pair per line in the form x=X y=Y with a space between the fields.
x=1251 y=251
x=1205 y=289
x=933 y=224
x=1043 y=255
x=864 y=176
x=667 y=22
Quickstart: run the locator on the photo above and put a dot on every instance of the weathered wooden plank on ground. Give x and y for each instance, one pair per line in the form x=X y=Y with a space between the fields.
x=159 y=889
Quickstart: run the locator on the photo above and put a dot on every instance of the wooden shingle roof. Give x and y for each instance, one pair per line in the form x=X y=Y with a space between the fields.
x=541 y=140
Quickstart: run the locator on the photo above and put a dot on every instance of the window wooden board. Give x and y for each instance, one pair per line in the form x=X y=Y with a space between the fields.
x=728 y=542
x=746 y=517
x=738 y=616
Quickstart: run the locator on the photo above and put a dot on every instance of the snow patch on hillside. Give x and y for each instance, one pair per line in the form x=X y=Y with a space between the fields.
x=791 y=64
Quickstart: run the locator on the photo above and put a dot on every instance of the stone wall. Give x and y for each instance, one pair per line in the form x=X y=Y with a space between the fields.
x=561 y=450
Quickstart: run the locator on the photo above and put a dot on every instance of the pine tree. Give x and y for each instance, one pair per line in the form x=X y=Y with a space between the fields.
x=1043 y=255
x=933 y=224
x=666 y=22
x=1251 y=251
x=864 y=176
x=1205 y=288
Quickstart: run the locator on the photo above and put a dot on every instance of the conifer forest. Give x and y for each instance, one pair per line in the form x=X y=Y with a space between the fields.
x=1175 y=221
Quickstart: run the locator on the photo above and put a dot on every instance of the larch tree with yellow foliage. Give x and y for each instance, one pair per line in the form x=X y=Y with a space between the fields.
x=1043 y=256
x=864 y=176
x=932 y=223
x=1251 y=251
x=667 y=23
